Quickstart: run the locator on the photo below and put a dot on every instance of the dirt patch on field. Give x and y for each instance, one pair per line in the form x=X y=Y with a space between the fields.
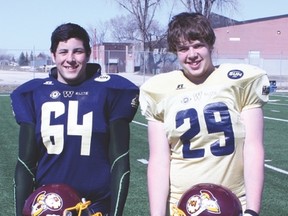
x=7 y=89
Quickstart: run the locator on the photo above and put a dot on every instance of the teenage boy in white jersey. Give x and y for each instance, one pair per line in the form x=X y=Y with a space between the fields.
x=205 y=123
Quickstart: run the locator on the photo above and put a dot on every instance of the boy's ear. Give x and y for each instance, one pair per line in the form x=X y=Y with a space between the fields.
x=53 y=57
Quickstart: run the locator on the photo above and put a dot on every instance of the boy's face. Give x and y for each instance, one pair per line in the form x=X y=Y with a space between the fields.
x=70 y=59
x=195 y=59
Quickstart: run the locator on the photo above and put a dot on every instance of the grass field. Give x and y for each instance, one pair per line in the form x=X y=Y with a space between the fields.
x=276 y=171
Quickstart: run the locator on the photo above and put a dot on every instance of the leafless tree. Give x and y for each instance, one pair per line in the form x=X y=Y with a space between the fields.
x=124 y=29
x=143 y=12
x=98 y=33
x=205 y=6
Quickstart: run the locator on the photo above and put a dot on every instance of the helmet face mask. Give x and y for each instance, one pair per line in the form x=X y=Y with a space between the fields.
x=56 y=200
x=208 y=200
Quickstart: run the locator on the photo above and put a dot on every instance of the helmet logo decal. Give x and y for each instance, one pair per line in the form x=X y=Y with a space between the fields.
x=208 y=199
x=205 y=201
x=44 y=202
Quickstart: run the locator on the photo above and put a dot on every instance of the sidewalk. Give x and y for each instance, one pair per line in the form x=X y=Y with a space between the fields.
x=19 y=77
x=9 y=80
x=136 y=78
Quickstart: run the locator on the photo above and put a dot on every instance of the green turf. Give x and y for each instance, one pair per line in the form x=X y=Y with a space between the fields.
x=8 y=155
x=276 y=184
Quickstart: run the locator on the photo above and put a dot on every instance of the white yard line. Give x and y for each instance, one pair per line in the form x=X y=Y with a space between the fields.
x=276 y=119
x=144 y=161
x=139 y=123
x=276 y=169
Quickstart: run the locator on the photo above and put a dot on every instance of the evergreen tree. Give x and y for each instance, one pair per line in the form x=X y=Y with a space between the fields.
x=27 y=59
x=22 y=60
x=31 y=56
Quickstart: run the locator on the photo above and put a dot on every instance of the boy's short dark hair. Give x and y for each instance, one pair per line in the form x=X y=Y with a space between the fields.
x=188 y=27
x=70 y=30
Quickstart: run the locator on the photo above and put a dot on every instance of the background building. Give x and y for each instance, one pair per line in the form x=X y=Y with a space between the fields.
x=262 y=42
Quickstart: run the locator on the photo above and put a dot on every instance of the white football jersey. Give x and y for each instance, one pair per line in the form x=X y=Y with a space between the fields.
x=202 y=123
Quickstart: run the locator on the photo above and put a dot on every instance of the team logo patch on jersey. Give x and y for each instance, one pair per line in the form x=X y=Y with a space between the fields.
x=54 y=94
x=68 y=94
x=235 y=74
x=185 y=100
x=266 y=90
x=103 y=78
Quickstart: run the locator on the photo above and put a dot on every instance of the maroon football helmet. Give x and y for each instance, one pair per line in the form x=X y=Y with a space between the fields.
x=208 y=200
x=55 y=199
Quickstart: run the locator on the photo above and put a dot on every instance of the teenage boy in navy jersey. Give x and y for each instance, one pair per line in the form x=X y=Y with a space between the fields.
x=74 y=127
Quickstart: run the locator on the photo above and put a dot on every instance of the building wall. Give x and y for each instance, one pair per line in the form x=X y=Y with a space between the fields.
x=114 y=57
x=268 y=36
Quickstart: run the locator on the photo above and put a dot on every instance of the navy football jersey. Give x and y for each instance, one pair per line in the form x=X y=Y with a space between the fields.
x=72 y=128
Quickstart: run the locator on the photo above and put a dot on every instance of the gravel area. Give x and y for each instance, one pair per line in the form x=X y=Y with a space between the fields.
x=9 y=80
x=7 y=89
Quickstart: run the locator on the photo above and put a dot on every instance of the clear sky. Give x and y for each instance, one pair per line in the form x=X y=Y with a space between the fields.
x=27 y=24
